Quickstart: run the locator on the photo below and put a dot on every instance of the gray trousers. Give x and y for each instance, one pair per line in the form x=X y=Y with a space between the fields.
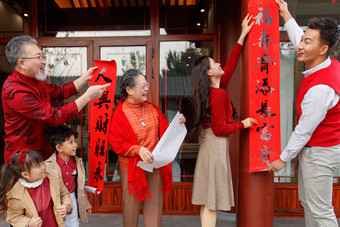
x=316 y=170
x=72 y=220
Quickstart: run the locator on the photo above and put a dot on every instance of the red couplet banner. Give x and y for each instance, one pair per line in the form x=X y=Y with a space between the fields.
x=264 y=84
x=100 y=118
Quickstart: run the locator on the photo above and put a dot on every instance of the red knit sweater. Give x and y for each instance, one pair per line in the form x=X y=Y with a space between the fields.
x=327 y=134
x=221 y=121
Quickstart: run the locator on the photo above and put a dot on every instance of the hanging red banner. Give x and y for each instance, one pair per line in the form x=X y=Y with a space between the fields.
x=100 y=118
x=264 y=84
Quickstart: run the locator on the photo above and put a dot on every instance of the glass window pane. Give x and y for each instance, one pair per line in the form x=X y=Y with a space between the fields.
x=186 y=17
x=4 y=65
x=289 y=78
x=176 y=59
x=126 y=57
x=303 y=10
x=11 y=20
x=63 y=65
x=103 y=33
x=102 y=18
x=288 y=59
x=336 y=54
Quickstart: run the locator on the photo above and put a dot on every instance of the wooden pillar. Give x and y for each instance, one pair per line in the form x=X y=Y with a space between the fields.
x=152 y=71
x=256 y=190
x=33 y=18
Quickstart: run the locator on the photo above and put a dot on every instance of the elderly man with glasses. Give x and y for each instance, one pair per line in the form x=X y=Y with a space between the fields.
x=26 y=98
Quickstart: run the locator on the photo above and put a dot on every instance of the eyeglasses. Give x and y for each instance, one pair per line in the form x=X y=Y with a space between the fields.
x=40 y=57
x=144 y=86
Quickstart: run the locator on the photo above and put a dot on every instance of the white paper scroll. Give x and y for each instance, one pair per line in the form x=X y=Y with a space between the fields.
x=168 y=146
x=91 y=189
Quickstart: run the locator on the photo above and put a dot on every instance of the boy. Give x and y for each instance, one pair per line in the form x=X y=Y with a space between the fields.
x=63 y=142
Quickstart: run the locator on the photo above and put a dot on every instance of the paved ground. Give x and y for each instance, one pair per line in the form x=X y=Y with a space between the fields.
x=225 y=220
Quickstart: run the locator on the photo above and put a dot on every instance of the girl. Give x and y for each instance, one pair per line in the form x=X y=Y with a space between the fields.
x=212 y=188
x=36 y=197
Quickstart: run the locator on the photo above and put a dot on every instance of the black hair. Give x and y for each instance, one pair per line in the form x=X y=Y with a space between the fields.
x=58 y=134
x=329 y=31
x=200 y=92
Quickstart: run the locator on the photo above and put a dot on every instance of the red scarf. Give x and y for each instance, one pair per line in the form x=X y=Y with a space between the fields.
x=121 y=138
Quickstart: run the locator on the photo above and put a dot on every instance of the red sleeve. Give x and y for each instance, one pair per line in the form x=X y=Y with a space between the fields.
x=229 y=68
x=29 y=105
x=58 y=94
x=218 y=106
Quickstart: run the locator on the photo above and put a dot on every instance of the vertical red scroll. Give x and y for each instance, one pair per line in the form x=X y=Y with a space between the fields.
x=264 y=84
x=100 y=118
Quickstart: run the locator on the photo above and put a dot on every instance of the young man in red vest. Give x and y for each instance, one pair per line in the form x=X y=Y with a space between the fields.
x=317 y=135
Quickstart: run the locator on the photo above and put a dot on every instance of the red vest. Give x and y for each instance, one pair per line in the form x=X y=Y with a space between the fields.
x=327 y=134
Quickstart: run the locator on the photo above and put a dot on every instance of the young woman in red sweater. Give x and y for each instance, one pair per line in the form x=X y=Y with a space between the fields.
x=212 y=187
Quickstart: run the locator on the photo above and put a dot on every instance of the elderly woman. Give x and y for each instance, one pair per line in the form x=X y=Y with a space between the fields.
x=136 y=127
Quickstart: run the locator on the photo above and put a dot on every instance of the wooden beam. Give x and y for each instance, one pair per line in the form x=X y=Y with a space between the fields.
x=89 y=3
x=97 y=3
x=72 y=4
x=81 y=4
x=134 y=3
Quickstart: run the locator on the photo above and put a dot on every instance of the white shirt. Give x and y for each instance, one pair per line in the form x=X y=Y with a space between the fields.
x=314 y=106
